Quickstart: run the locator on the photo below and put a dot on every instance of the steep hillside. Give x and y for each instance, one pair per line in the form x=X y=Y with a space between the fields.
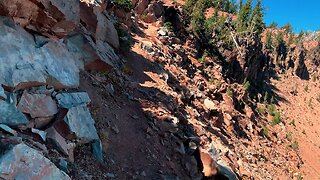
x=154 y=90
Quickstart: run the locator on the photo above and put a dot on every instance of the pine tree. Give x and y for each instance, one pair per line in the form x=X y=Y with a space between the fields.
x=244 y=15
x=273 y=25
x=197 y=17
x=291 y=38
x=257 y=18
x=288 y=28
x=269 y=40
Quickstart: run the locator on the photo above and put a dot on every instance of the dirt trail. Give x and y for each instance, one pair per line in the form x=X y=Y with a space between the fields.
x=302 y=118
x=132 y=150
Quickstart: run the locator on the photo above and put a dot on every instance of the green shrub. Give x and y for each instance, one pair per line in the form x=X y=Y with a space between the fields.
x=261 y=110
x=314 y=78
x=168 y=25
x=246 y=85
x=276 y=118
x=306 y=88
x=265 y=131
x=229 y=92
x=272 y=110
x=295 y=145
x=123 y=4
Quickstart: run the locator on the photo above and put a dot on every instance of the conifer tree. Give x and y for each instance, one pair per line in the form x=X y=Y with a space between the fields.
x=269 y=40
x=257 y=18
x=244 y=15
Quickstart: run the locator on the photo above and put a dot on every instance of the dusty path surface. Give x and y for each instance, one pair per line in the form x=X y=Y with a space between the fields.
x=301 y=114
x=132 y=149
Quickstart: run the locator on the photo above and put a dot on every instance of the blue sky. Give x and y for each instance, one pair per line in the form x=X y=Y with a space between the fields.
x=302 y=14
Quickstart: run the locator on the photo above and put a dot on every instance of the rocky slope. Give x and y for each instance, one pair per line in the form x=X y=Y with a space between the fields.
x=76 y=103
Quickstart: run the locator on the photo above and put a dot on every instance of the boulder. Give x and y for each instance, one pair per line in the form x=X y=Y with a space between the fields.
x=210 y=105
x=42 y=122
x=10 y=115
x=57 y=140
x=24 y=65
x=69 y=100
x=23 y=162
x=37 y=105
x=86 y=55
x=106 y=31
x=209 y=165
x=81 y=123
x=48 y=17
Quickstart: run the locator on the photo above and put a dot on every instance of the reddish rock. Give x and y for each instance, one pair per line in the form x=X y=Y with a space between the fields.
x=249 y=112
x=209 y=165
x=42 y=122
x=23 y=162
x=210 y=105
x=37 y=105
x=60 y=142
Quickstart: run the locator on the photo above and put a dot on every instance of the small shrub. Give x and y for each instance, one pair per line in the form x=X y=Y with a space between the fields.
x=304 y=132
x=295 y=145
x=314 y=78
x=289 y=136
x=318 y=98
x=306 y=88
x=272 y=110
x=204 y=56
x=293 y=123
x=246 y=85
x=168 y=25
x=229 y=92
x=276 y=118
x=265 y=131
x=261 y=110
x=299 y=177
x=272 y=100
x=295 y=91
x=310 y=103
x=123 y=4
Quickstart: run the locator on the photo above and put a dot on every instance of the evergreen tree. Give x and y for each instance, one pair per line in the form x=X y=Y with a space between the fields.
x=288 y=28
x=269 y=40
x=257 y=18
x=197 y=17
x=188 y=6
x=273 y=25
x=281 y=47
x=291 y=38
x=244 y=15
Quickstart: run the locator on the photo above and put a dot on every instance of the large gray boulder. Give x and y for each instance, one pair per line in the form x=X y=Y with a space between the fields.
x=69 y=100
x=81 y=123
x=23 y=162
x=23 y=65
x=10 y=115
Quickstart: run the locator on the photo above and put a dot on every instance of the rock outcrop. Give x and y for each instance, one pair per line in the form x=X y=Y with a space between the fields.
x=24 y=162
x=44 y=46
